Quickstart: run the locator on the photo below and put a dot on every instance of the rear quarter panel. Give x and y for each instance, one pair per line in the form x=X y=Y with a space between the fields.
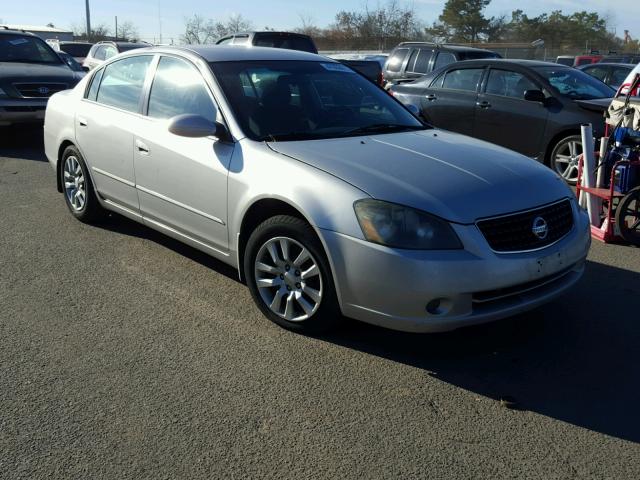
x=59 y=125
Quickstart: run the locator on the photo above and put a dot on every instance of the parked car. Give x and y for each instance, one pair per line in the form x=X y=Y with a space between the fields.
x=78 y=50
x=288 y=40
x=324 y=192
x=30 y=72
x=622 y=58
x=535 y=108
x=628 y=82
x=586 y=60
x=370 y=69
x=568 y=60
x=102 y=51
x=411 y=60
x=72 y=64
x=613 y=74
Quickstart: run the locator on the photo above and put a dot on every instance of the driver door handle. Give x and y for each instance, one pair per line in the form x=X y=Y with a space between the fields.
x=483 y=104
x=82 y=121
x=142 y=147
x=431 y=97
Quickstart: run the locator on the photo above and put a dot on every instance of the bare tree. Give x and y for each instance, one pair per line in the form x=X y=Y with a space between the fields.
x=127 y=31
x=308 y=25
x=234 y=24
x=98 y=32
x=198 y=30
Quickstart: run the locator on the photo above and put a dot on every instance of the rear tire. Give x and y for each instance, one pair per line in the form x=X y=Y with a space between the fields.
x=628 y=217
x=77 y=188
x=289 y=276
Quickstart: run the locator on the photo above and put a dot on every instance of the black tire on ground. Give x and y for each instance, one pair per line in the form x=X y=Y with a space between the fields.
x=91 y=211
x=628 y=217
x=568 y=168
x=327 y=316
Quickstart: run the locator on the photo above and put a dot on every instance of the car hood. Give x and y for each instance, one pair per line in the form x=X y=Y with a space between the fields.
x=16 y=72
x=453 y=176
x=596 y=105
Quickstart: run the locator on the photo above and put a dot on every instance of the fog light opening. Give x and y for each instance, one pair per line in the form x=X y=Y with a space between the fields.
x=438 y=306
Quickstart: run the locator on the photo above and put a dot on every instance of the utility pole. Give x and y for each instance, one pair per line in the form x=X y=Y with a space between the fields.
x=160 y=21
x=116 y=28
x=86 y=3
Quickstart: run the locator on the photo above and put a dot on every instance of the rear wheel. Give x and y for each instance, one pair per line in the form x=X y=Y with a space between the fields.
x=565 y=156
x=628 y=217
x=289 y=276
x=79 y=194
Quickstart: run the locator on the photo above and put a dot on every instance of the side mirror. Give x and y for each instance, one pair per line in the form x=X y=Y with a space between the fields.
x=86 y=69
x=192 y=126
x=534 y=96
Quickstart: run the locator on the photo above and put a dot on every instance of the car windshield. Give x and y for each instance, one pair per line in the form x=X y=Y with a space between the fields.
x=575 y=84
x=300 y=100
x=282 y=40
x=26 y=49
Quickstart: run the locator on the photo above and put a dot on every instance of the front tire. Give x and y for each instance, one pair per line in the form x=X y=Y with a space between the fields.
x=565 y=156
x=289 y=277
x=77 y=187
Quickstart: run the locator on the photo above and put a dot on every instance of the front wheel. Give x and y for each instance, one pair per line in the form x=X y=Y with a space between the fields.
x=628 y=217
x=289 y=277
x=565 y=157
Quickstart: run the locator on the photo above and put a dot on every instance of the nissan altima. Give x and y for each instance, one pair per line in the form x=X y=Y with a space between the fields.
x=328 y=196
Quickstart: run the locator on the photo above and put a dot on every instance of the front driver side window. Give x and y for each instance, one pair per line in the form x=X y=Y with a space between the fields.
x=508 y=84
x=463 y=79
x=178 y=88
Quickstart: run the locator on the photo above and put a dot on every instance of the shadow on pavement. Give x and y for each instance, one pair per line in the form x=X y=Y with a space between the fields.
x=22 y=142
x=576 y=359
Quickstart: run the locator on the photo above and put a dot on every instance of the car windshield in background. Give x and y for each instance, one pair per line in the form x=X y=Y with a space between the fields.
x=574 y=83
x=24 y=49
x=297 y=100
x=278 y=40
x=76 y=49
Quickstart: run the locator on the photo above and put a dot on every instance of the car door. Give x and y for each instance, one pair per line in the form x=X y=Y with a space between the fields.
x=505 y=118
x=104 y=121
x=450 y=101
x=182 y=182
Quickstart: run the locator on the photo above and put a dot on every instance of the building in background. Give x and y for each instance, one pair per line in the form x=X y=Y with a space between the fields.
x=44 y=32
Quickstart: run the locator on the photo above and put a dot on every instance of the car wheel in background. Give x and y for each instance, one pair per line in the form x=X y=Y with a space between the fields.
x=77 y=187
x=289 y=276
x=564 y=158
x=628 y=217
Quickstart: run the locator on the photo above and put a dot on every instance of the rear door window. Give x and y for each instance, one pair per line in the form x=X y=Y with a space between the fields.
x=110 y=51
x=463 y=79
x=618 y=76
x=422 y=62
x=122 y=83
x=100 y=53
x=394 y=64
x=443 y=59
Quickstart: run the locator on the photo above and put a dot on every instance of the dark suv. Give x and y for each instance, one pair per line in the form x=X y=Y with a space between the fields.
x=30 y=72
x=411 y=60
x=288 y=40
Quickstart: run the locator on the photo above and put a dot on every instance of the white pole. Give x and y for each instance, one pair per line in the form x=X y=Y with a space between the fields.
x=589 y=173
x=604 y=144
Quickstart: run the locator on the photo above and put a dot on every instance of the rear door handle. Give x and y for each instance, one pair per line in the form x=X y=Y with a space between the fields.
x=82 y=122
x=483 y=104
x=431 y=97
x=142 y=148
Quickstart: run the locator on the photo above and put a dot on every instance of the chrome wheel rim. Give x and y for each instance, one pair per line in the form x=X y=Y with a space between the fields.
x=567 y=158
x=288 y=279
x=74 y=185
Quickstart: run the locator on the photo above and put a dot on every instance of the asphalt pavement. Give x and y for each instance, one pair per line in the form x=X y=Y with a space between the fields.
x=127 y=355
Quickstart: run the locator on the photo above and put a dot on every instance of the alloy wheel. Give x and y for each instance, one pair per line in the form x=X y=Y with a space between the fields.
x=288 y=279
x=567 y=156
x=74 y=184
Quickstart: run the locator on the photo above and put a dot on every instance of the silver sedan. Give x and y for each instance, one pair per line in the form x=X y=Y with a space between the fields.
x=327 y=195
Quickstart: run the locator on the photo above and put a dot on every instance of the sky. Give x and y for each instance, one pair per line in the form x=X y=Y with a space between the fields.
x=151 y=16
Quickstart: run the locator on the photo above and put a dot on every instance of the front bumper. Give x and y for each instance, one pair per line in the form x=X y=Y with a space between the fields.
x=391 y=288
x=16 y=110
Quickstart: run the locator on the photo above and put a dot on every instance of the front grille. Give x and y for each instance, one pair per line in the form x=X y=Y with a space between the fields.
x=39 y=90
x=515 y=232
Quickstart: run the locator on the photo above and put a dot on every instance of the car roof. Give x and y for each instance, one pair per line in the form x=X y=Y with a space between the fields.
x=608 y=64
x=273 y=32
x=222 y=53
x=8 y=31
x=442 y=46
x=124 y=44
x=507 y=61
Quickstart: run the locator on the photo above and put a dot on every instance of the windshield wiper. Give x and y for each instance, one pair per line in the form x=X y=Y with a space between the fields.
x=382 y=127
x=283 y=137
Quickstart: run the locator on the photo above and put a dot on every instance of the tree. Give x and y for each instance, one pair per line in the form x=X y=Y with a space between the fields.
x=98 y=32
x=127 y=31
x=198 y=30
x=308 y=25
x=461 y=21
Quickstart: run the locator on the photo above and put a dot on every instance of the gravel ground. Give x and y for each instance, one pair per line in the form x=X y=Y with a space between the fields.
x=125 y=354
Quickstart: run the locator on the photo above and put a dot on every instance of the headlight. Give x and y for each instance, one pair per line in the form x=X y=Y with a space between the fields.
x=403 y=227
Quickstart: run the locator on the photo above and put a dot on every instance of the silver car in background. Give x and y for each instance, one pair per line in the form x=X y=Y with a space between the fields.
x=326 y=194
